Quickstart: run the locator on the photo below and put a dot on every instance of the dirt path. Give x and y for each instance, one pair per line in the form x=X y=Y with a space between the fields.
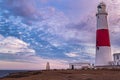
x=66 y=75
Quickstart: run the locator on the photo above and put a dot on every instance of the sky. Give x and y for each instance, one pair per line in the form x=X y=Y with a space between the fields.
x=34 y=32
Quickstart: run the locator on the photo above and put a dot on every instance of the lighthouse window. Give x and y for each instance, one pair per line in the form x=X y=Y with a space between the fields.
x=99 y=6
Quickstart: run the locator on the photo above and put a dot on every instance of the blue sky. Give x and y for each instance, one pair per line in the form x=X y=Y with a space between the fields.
x=34 y=32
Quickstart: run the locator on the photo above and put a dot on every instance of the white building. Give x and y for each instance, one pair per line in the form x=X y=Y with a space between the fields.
x=79 y=65
x=116 y=57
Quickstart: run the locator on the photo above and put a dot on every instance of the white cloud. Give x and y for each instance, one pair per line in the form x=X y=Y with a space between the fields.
x=72 y=54
x=12 y=45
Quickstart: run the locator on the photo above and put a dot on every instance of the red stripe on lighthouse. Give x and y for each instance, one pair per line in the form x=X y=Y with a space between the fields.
x=103 y=37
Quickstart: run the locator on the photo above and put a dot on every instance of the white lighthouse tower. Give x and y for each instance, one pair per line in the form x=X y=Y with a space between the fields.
x=103 y=47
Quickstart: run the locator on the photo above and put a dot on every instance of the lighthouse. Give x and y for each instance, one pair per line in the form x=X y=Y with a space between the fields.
x=103 y=46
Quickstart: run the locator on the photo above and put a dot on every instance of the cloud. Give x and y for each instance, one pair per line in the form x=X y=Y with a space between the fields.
x=13 y=49
x=16 y=54
x=52 y=36
x=13 y=45
x=43 y=1
x=23 y=8
x=72 y=54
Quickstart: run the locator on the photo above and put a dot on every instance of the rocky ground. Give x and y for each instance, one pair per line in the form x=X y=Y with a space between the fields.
x=66 y=75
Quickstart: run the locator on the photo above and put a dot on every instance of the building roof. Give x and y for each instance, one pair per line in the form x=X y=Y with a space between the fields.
x=79 y=63
x=116 y=54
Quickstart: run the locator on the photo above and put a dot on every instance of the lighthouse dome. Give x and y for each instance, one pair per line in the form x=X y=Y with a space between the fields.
x=102 y=7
